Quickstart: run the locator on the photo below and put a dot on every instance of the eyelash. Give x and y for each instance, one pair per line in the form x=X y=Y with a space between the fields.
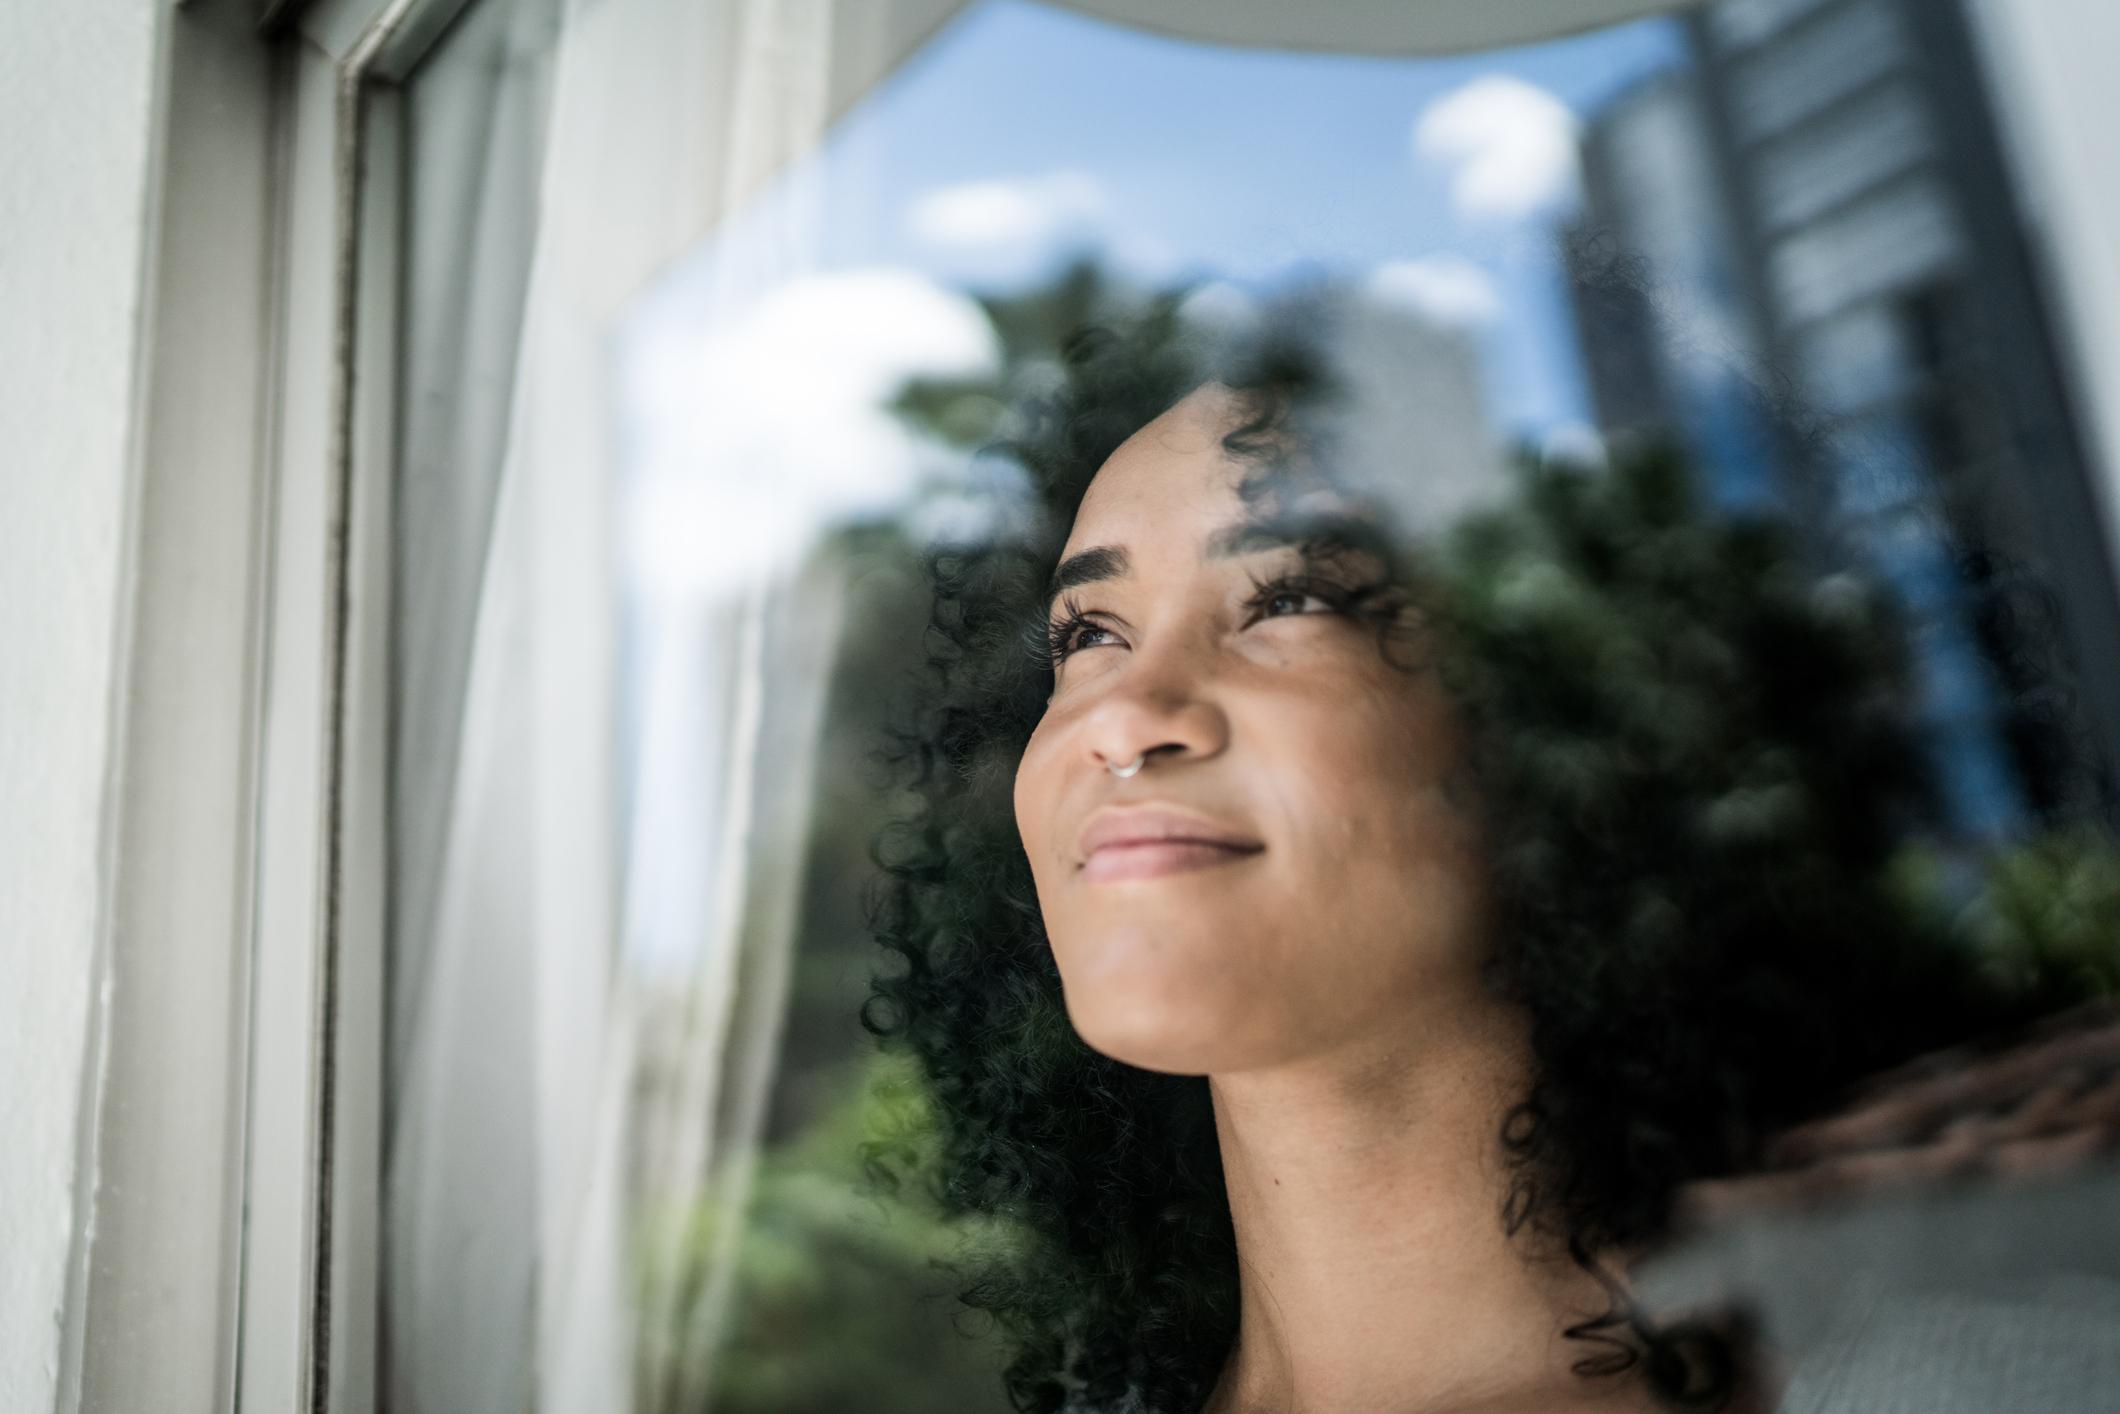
x=1060 y=636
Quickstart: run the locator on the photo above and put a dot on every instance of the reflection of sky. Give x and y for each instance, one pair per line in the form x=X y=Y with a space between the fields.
x=1239 y=162
x=1021 y=134
x=1017 y=136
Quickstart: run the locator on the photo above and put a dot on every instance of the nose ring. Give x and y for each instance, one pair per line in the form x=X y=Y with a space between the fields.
x=1122 y=772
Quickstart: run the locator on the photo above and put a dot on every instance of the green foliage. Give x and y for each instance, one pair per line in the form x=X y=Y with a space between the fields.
x=2041 y=916
x=1629 y=647
x=2049 y=919
x=840 y=1300
x=1032 y=328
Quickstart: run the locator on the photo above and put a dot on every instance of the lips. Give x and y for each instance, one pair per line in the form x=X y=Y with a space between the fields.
x=1142 y=841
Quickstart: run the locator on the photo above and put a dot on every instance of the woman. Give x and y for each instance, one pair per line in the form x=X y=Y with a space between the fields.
x=1334 y=950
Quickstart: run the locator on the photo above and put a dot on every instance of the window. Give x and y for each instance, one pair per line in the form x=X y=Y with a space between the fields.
x=625 y=358
x=662 y=479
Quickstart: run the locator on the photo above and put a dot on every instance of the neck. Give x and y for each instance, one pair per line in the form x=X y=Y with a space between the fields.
x=1366 y=1188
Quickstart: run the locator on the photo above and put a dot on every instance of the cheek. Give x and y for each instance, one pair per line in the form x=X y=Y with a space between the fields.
x=1362 y=785
x=1033 y=798
x=1356 y=755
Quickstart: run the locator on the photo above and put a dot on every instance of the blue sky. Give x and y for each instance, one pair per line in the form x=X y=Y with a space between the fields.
x=1022 y=133
x=1247 y=163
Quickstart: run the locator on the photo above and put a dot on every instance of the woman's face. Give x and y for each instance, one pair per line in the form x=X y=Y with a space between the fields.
x=1282 y=878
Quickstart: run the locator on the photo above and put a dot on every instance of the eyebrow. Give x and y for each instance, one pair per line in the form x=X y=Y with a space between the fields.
x=1318 y=534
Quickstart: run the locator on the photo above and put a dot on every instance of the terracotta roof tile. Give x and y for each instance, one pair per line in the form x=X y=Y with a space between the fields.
x=2042 y=1103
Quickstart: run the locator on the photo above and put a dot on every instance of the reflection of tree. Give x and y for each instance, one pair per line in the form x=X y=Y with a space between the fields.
x=835 y=1304
x=1031 y=328
x=838 y=1304
x=839 y=1308
x=2046 y=917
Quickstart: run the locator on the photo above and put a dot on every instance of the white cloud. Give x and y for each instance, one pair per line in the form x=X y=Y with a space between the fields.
x=755 y=432
x=1576 y=443
x=1004 y=231
x=1510 y=145
x=1445 y=289
x=1219 y=307
x=1146 y=257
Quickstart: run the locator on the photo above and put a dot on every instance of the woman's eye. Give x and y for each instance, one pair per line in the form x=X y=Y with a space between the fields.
x=1075 y=632
x=1282 y=601
x=1084 y=636
x=1070 y=635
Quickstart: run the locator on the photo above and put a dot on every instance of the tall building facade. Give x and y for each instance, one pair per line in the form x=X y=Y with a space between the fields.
x=1669 y=335
x=1414 y=418
x=1823 y=192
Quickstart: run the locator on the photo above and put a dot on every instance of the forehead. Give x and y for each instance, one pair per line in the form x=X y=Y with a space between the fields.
x=1172 y=479
x=1174 y=494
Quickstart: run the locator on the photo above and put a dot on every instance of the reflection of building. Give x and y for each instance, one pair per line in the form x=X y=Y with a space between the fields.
x=1668 y=336
x=1825 y=197
x=1416 y=409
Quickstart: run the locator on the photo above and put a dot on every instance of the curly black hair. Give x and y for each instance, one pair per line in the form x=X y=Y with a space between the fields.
x=1691 y=761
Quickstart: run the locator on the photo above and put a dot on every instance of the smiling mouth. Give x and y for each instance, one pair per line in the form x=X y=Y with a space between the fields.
x=1150 y=859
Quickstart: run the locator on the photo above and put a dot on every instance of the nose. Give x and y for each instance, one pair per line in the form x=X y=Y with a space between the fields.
x=1160 y=718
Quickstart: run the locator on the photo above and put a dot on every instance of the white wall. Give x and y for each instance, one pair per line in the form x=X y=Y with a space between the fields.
x=76 y=91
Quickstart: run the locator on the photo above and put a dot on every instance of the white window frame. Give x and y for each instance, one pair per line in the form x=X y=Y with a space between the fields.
x=227 y=1233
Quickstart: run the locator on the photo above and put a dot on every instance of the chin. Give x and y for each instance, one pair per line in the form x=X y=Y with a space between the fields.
x=1151 y=1035
x=1154 y=993
x=1156 y=1053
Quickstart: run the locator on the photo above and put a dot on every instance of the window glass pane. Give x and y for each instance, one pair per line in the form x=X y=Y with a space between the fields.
x=747 y=410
